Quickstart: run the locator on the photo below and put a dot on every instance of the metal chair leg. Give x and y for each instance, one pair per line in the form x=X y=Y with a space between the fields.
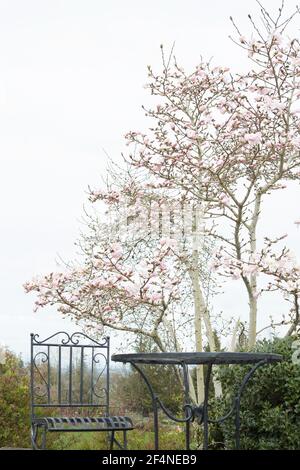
x=44 y=438
x=34 y=437
x=125 y=440
x=112 y=438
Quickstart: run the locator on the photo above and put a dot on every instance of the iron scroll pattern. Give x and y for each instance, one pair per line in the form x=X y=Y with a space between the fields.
x=36 y=390
x=44 y=389
x=70 y=340
x=101 y=392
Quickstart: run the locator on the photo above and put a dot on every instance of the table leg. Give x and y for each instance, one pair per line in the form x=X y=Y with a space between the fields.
x=235 y=409
x=187 y=401
x=154 y=405
x=238 y=402
x=205 y=407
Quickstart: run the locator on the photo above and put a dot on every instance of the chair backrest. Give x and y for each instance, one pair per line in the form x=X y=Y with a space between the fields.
x=69 y=371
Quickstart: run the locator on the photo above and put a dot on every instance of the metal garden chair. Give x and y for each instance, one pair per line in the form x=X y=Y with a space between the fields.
x=70 y=376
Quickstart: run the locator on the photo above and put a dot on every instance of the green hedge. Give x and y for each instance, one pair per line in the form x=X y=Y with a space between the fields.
x=14 y=403
x=270 y=406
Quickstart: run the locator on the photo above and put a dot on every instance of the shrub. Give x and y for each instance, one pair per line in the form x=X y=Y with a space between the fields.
x=14 y=403
x=270 y=405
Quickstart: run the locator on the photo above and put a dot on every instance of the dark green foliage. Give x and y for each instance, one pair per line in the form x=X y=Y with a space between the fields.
x=270 y=407
x=14 y=403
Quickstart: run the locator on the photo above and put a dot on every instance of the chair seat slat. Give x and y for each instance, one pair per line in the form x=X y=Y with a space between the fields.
x=103 y=423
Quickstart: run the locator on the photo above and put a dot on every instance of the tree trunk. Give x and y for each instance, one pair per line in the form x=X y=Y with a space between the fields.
x=170 y=329
x=198 y=308
x=252 y=320
x=202 y=313
x=253 y=278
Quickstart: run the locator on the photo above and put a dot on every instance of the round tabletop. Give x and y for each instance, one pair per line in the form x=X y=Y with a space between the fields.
x=197 y=358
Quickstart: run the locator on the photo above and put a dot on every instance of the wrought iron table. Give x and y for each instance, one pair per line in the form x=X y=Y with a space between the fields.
x=193 y=411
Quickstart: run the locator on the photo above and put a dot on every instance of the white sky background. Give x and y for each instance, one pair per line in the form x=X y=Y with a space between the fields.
x=71 y=84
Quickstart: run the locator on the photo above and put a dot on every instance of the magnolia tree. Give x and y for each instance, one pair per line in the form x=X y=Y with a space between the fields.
x=228 y=140
x=139 y=273
x=154 y=212
x=219 y=144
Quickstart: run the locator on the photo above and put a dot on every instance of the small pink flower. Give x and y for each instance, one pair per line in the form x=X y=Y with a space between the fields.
x=224 y=199
x=168 y=242
x=253 y=139
x=116 y=250
x=155 y=297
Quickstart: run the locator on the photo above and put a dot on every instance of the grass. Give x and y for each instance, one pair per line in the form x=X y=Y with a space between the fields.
x=137 y=440
x=171 y=436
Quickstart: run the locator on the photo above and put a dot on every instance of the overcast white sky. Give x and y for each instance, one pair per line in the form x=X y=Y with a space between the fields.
x=71 y=84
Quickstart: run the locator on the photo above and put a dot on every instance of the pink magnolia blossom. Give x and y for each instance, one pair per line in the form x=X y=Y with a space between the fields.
x=253 y=139
x=224 y=199
x=155 y=297
x=168 y=242
x=249 y=269
x=116 y=250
